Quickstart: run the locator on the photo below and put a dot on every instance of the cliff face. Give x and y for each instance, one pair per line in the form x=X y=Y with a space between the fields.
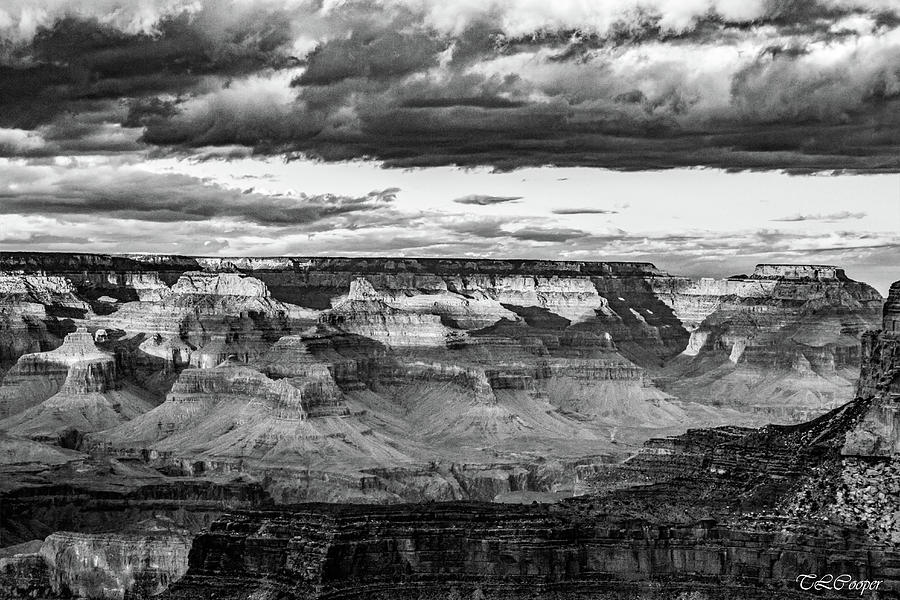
x=477 y=550
x=101 y=566
x=879 y=431
x=205 y=319
x=29 y=306
x=76 y=367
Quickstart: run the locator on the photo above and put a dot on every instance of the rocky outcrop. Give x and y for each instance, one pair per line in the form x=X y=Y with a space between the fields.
x=101 y=566
x=290 y=358
x=88 y=398
x=799 y=272
x=206 y=319
x=364 y=313
x=891 y=320
x=205 y=404
x=878 y=433
x=77 y=367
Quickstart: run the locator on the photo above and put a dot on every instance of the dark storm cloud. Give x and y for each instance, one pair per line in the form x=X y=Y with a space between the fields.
x=76 y=59
x=801 y=85
x=483 y=200
x=370 y=55
x=167 y=198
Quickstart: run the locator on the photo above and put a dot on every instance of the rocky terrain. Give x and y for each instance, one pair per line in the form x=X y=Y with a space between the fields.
x=140 y=390
x=783 y=341
x=722 y=513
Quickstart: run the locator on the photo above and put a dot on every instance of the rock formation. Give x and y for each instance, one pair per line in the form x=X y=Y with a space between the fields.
x=77 y=364
x=783 y=341
x=206 y=319
x=364 y=313
x=81 y=388
x=101 y=566
x=29 y=308
x=495 y=365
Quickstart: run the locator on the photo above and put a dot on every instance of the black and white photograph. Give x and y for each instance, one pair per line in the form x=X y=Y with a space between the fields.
x=449 y=299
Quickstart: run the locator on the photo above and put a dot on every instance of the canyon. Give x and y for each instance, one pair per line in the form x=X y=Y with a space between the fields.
x=146 y=399
x=721 y=513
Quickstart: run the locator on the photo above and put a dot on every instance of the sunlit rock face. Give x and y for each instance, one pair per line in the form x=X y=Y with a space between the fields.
x=206 y=319
x=29 y=307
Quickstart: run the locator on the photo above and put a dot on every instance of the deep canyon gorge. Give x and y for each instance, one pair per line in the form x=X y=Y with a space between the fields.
x=436 y=428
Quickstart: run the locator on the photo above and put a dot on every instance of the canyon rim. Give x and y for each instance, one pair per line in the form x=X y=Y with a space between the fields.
x=420 y=300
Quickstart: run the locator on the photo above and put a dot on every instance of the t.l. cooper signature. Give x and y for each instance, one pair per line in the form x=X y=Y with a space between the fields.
x=837 y=583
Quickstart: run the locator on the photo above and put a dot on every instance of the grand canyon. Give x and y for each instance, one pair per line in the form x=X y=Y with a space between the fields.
x=449 y=299
x=442 y=428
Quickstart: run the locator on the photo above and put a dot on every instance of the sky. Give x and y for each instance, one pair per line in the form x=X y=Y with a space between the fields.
x=704 y=136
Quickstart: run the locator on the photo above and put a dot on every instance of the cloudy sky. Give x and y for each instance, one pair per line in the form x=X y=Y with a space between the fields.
x=702 y=135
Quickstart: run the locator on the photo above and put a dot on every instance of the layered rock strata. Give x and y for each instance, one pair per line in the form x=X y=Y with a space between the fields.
x=783 y=341
x=364 y=313
x=728 y=513
x=77 y=367
x=206 y=319
x=101 y=566
x=29 y=308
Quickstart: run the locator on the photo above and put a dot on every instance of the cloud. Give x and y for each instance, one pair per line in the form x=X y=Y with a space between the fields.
x=584 y=211
x=21 y=142
x=548 y=234
x=127 y=192
x=838 y=216
x=736 y=84
x=483 y=200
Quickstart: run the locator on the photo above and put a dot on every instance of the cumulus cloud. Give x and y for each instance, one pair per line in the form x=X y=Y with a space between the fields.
x=20 y=142
x=484 y=200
